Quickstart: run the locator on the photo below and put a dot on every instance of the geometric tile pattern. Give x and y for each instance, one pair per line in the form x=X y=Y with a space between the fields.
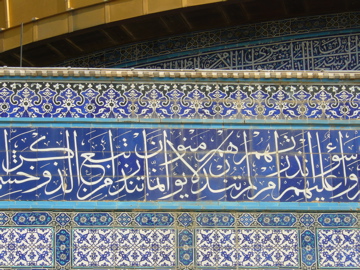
x=247 y=247
x=217 y=55
x=268 y=247
x=26 y=247
x=307 y=220
x=179 y=100
x=197 y=240
x=216 y=247
x=339 y=248
x=3 y=218
x=124 y=219
x=63 y=219
x=185 y=219
x=123 y=247
x=246 y=220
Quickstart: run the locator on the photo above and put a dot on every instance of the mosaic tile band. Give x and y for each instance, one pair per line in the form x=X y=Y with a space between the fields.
x=333 y=52
x=182 y=100
x=179 y=164
x=336 y=54
x=179 y=240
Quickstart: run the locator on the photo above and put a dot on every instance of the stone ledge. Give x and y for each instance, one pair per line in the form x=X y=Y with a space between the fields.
x=203 y=74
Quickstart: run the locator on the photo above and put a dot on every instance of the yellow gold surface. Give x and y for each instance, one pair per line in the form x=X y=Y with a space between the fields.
x=24 y=11
x=83 y=3
x=162 y=5
x=49 y=18
x=2 y=14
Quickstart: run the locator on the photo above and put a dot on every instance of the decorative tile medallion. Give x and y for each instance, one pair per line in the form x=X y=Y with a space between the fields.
x=124 y=219
x=215 y=220
x=32 y=218
x=185 y=219
x=307 y=220
x=154 y=219
x=93 y=219
x=63 y=219
x=277 y=220
x=3 y=218
x=246 y=219
x=337 y=220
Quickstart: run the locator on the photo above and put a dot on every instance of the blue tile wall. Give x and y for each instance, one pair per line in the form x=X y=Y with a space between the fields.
x=159 y=240
x=158 y=100
x=26 y=246
x=178 y=164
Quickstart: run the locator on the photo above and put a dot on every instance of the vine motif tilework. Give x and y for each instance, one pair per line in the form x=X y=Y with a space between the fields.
x=179 y=100
x=130 y=55
x=182 y=241
x=26 y=247
x=339 y=248
x=268 y=247
x=123 y=247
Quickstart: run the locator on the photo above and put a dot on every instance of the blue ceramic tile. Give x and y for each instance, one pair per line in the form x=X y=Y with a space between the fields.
x=183 y=173
x=336 y=248
x=277 y=220
x=63 y=247
x=292 y=190
x=34 y=218
x=37 y=244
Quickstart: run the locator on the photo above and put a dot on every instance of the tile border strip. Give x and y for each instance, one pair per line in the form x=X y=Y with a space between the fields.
x=198 y=206
x=310 y=236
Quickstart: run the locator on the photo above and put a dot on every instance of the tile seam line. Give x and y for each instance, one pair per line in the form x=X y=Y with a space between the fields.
x=271 y=124
x=179 y=206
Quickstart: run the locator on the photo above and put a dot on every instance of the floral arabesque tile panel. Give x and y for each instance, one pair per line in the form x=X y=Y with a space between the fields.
x=179 y=240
